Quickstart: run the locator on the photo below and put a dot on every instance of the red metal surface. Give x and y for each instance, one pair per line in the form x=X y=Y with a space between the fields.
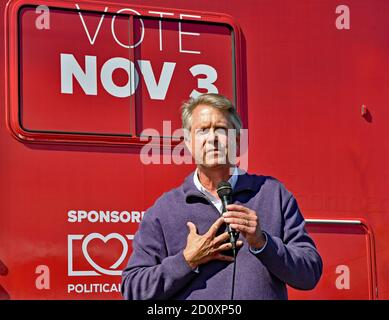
x=312 y=96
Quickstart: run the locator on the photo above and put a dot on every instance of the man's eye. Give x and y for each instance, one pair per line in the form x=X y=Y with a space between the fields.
x=221 y=131
x=202 y=131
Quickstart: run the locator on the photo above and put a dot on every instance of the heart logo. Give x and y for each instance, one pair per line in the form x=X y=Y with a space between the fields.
x=105 y=239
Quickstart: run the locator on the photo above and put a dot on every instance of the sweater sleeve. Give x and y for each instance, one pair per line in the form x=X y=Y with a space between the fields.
x=150 y=273
x=294 y=258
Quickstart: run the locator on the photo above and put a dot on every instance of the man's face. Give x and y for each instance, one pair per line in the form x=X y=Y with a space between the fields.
x=208 y=141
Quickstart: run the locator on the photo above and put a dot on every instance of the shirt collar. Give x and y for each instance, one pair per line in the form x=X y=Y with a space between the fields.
x=245 y=185
x=233 y=179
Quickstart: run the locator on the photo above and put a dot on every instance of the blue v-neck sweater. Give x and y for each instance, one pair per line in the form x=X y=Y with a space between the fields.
x=157 y=268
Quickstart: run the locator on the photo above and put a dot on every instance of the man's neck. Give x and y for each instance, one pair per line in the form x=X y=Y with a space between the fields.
x=211 y=177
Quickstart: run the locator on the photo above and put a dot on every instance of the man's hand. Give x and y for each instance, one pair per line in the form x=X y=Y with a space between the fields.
x=245 y=221
x=203 y=248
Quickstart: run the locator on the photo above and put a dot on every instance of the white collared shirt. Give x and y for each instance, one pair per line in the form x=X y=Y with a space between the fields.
x=215 y=201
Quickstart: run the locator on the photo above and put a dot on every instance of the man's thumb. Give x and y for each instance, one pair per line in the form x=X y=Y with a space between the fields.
x=191 y=226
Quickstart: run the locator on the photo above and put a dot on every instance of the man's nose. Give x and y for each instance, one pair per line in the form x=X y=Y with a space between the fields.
x=212 y=135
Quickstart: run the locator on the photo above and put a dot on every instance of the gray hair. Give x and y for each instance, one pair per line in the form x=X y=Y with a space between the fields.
x=213 y=100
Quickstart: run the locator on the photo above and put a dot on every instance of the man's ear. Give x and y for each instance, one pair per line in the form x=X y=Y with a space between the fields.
x=188 y=140
x=238 y=145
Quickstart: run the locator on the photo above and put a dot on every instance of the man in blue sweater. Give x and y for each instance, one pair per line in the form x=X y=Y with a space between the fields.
x=179 y=251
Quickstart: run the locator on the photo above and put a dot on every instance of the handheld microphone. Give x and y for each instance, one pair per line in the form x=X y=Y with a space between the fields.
x=224 y=191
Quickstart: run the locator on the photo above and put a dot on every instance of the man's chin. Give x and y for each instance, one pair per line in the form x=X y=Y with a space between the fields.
x=214 y=163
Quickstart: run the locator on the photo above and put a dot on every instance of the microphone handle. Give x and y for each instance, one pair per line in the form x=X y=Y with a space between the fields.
x=231 y=231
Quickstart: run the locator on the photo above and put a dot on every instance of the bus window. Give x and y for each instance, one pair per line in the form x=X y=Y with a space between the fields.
x=106 y=74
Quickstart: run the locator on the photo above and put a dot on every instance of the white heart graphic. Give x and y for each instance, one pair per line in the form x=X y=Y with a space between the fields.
x=105 y=239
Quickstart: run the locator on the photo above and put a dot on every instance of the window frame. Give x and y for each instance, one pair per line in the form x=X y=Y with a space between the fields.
x=13 y=108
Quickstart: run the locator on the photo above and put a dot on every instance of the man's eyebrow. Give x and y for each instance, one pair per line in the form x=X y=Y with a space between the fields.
x=205 y=123
x=222 y=124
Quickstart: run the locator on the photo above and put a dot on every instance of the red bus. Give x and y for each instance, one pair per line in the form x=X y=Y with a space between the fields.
x=87 y=85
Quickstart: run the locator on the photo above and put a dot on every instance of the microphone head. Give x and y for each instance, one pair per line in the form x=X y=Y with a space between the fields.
x=224 y=189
